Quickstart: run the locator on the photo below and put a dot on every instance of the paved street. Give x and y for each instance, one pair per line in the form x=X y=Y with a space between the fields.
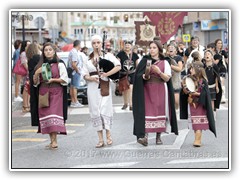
x=77 y=149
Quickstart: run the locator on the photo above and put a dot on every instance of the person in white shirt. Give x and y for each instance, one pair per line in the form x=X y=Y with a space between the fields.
x=75 y=62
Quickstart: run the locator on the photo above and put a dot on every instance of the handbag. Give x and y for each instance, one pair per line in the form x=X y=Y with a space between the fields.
x=43 y=100
x=104 y=87
x=19 y=68
x=123 y=84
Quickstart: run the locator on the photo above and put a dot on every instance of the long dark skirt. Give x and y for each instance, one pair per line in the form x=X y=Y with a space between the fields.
x=51 y=118
x=155 y=107
x=199 y=117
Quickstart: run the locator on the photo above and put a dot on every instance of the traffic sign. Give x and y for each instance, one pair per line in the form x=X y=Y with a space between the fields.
x=186 y=38
x=39 y=22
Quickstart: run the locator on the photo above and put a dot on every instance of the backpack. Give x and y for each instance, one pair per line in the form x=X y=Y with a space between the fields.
x=69 y=72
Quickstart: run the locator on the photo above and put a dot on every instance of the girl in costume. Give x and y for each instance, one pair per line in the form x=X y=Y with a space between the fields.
x=201 y=113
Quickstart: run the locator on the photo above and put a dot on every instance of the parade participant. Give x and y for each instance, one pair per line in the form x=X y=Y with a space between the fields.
x=52 y=109
x=129 y=61
x=214 y=82
x=33 y=56
x=100 y=107
x=153 y=96
x=176 y=66
x=201 y=113
x=221 y=59
x=75 y=62
x=195 y=46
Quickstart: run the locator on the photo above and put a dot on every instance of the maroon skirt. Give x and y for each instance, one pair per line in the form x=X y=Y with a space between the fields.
x=155 y=108
x=51 y=118
x=199 y=117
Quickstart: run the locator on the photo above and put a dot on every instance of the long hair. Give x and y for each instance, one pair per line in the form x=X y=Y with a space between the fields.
x=17 y=43
x=43 y=58
x=23 y=46
x=160 y=48
x=199 y=70
x=216 y=41
x=196 y=56
x=32 y=50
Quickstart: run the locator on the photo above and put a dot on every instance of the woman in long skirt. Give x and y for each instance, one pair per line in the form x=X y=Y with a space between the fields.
x=52 y=117
x=153 y=97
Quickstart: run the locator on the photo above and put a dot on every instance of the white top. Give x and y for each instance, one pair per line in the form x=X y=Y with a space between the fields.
x=167 y=68
x=75 y=56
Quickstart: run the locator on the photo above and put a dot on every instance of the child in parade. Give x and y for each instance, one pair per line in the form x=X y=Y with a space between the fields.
x=198 y=102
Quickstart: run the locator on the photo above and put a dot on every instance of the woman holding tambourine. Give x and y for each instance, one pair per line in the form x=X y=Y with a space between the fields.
x=196 y=98
x=52 y=79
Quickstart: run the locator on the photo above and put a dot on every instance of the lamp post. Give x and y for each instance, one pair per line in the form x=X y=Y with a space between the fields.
x=22 y=18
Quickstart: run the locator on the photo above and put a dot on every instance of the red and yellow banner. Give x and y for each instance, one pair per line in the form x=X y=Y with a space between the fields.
x=166 y=23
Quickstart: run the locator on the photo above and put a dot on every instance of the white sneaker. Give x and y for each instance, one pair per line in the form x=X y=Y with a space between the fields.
x=73 y=105
x=18 y=99
x=78 y=104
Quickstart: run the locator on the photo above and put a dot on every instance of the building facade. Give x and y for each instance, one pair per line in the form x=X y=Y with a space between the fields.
x=208 y=26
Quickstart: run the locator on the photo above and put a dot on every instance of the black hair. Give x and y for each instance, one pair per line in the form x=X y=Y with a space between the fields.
x=76 y=43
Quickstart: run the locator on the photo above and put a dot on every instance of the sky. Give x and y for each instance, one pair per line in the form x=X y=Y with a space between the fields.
x=108 y=4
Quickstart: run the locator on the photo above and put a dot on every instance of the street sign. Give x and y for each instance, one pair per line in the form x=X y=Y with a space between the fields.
x=186 y=38
x=39 y=22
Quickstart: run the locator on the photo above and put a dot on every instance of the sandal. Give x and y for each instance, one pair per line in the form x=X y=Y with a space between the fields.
x=109 y=139
x=53 y=147
x=124 y=106
x=100 y=144
x=25 y=109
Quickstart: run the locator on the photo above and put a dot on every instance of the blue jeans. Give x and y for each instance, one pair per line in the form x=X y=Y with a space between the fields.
x=75 y=81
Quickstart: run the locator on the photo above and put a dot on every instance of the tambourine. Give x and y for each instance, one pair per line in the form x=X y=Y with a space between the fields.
x=46 y=71
x=189 y=84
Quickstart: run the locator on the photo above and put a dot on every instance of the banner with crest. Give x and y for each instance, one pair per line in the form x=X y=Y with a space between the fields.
x=145 y=32
x=166 y=23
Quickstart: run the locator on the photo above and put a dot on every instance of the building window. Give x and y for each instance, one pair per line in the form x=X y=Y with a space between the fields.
x=71 y=13
x=115 y=19
x=79 y=15
x=93 y=31
x=125 y=17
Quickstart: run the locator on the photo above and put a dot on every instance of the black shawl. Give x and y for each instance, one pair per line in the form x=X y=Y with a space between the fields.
x=33 y=90
x=139 y=103
x=219 y=94
x=205 y=100
x=34 y=101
